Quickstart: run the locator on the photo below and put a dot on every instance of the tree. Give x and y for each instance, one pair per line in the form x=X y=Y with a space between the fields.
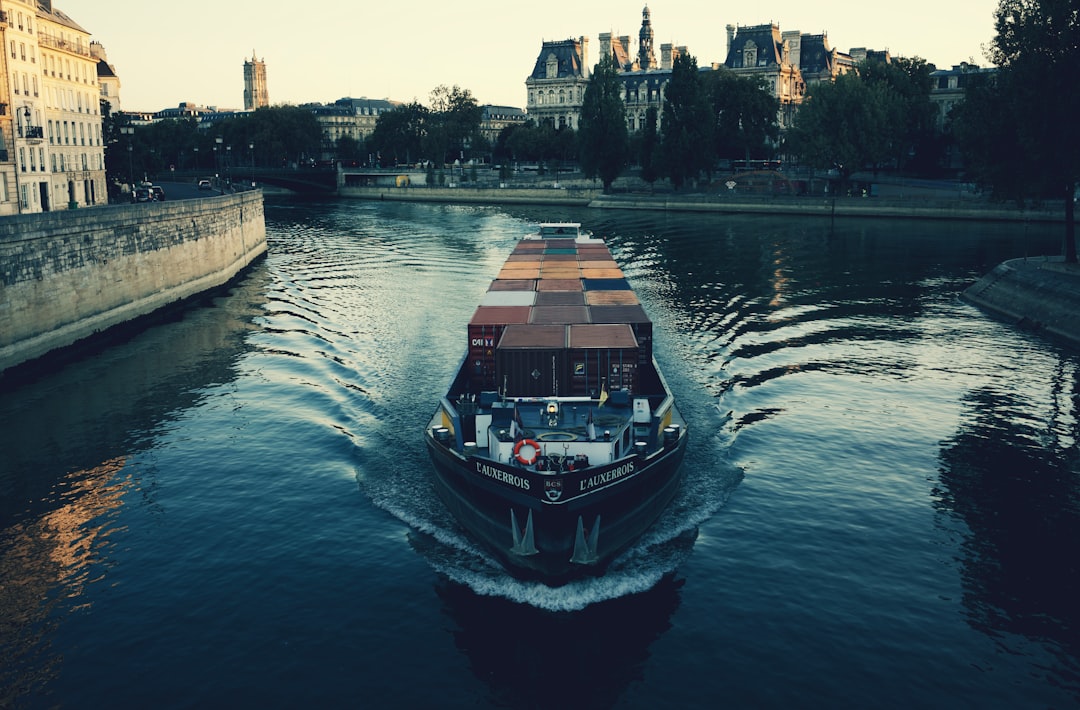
x=399 y=134
x=909 y=82
x=453 y=124
x=348 y=149
x=650 y=148
x=604 y=144
x=744 y=115
x=687 y=126
x=1037 y=52
x=846 y=124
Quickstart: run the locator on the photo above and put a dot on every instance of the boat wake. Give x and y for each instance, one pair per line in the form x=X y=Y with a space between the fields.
x=407 y=494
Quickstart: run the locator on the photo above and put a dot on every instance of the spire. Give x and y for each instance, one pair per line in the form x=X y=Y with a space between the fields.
x=646 y=55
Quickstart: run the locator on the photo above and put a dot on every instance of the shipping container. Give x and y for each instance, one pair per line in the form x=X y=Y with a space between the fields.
x=530 y=361
x=602 y=356
x=558 y=285
x=520 y=272
x=560 y=298
x=635 y=316
x=513 y=285
x=485 y=329
x=605 y=284
x=508 y=298
x=611 y=298
x=554 y=315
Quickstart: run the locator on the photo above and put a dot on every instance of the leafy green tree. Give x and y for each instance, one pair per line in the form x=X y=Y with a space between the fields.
x=909 y=82
x=744 y=115
x=687 y=125
x=1037 y=52
x=649 y=155
x=453 y=124
x=348 y=149
x=399 y=135
x=846 y=124
x=602 y=134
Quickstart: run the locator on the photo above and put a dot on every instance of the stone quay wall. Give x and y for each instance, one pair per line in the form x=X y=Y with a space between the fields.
x=67 y=276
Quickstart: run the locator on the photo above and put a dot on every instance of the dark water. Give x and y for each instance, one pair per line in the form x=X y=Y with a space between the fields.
x=881 y=506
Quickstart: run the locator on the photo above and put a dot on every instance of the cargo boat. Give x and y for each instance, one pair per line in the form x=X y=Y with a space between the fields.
x=558 y=443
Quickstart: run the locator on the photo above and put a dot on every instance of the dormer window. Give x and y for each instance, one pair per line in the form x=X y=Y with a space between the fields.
x=552 y=66
x=750 y=55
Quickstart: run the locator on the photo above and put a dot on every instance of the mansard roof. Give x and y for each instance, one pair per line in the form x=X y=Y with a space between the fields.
x=767 y=40
x=816 y=56
x=365 y=105
x=45 y=9
x=568 y=53
x=490 y=112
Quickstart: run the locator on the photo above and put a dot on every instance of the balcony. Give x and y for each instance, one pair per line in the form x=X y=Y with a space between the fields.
x=64 y=45
x=33 y=134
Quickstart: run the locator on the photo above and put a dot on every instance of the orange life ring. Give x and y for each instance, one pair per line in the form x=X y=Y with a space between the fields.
x=522 y=459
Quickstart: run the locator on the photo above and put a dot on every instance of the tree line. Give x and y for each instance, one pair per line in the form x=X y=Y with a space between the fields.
x=1012 y=128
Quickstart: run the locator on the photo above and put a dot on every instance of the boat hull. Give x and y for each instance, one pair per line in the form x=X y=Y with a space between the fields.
x=597 y=514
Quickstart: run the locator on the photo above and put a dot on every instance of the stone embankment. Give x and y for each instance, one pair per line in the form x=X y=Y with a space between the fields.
x=1041 y=294
x=66 y=277
x=578 y=196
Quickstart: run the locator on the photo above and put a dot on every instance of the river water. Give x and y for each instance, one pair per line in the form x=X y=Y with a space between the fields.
x=881 y=505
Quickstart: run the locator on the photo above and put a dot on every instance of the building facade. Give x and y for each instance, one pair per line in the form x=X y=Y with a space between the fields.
x=787 y=63
x=556 y=86
x=348 y=118
x=56 y=154
x=256 y=93
x=108 y=79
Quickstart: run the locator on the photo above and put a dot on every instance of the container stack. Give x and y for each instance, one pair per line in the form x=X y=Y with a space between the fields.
x=560 y=319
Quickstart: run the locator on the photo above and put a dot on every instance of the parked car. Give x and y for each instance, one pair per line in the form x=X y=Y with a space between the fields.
x=204 y=184
x=142 y=194
x=159 y=193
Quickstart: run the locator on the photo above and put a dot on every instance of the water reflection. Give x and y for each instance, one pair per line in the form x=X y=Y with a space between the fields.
x=68 y=438
x=46 y=561
x=543 y=659
x=1012 y=475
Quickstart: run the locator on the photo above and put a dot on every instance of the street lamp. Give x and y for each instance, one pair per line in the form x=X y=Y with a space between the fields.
x=196 y=158
x=251 y=149
x=228 y=165
x=217 y=156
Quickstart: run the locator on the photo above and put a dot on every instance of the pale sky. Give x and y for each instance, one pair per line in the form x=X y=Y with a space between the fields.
x=170 y=51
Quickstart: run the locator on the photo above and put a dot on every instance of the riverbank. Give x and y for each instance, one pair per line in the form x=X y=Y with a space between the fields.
x=721 y=203
x=70 y=277
x=1041 y=293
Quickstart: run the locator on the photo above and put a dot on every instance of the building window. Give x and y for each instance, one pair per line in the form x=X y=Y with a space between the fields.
x=750 y=55
x=552 y=69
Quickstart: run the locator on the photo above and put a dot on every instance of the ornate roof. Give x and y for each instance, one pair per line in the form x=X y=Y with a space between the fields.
x=765 y=39
x=816 y=56
x=569 y=60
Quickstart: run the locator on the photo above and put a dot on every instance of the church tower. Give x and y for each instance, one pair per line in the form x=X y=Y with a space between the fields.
x=646 y=55
x=255 y=91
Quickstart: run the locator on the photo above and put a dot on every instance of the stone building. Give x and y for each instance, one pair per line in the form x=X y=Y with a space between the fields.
x=788 y=62
x=348 y=118
x=556 y=87
x=108 y=79
x=493 y=119
x=256 y=94
x=51 y=104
